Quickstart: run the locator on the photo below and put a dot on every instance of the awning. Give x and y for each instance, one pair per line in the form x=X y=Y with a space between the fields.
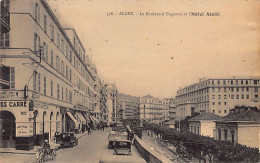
x=92 y=119
x=74 y=120
x=83 y=120
x=86 y=117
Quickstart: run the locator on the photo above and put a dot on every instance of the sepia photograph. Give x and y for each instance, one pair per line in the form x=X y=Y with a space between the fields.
x=129 y=81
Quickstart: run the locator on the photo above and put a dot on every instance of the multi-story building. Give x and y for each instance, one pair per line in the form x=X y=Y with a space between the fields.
x=46 y=85
x=154 y=110
x=111 y=102
x=172 y=109
x=217 y=96
x=128 y=107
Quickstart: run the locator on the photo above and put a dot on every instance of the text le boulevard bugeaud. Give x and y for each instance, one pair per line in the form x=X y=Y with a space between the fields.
x=170 y=14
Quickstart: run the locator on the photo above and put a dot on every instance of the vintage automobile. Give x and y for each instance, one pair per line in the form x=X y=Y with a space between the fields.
x=113 y=135
x=122 y=147
x=68 y=139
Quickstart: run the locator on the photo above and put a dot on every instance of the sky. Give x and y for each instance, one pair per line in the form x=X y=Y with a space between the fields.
x=158 y=55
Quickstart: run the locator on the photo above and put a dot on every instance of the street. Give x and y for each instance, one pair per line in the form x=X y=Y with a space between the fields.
x=91 y=148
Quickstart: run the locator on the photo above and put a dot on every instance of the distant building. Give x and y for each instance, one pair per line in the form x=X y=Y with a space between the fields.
x=154 y=110
x=172 y=109
x=111 y=102
x=217 y=96
x=241 y=125
x=203 y=124
x=129 y=106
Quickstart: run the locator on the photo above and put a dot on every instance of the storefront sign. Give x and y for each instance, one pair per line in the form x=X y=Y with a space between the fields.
x=42 y=106
x=8 y=94
x=35 y=95
x=22 y=129
x=7 y=104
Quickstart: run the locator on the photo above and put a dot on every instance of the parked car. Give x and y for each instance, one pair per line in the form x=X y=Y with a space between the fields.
x=113 y=135
x=68 y=139
x=122 y=147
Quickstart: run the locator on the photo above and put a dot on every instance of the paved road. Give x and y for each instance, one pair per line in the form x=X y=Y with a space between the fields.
x=91 y=149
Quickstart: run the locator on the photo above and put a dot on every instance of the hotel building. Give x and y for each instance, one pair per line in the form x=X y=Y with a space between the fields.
x=128 y=107
x=46 y=80
x=217 y=96
x=154 y=110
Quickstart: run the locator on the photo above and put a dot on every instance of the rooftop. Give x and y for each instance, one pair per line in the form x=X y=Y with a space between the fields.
x=205 y=116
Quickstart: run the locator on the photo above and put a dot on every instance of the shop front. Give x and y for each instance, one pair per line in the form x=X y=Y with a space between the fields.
x=16 y=128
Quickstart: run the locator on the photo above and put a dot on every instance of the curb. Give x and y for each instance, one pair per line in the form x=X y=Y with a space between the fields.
x=33 y=153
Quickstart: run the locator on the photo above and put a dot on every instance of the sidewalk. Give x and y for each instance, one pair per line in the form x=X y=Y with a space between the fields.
x=165 y=149
x=32 y=152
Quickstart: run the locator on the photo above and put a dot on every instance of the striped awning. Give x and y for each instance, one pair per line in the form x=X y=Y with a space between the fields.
x=74 y=120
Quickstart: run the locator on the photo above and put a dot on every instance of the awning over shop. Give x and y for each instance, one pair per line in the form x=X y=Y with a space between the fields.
x=86 y=117
x=94 y=119
x=74 y=120
x=83 y=120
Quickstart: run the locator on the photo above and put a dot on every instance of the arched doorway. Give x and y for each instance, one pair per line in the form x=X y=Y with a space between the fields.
x=44 y=126
x=7 y=129
x=51 y=127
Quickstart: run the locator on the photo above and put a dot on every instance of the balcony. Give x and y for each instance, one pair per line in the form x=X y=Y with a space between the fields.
x=4 y=19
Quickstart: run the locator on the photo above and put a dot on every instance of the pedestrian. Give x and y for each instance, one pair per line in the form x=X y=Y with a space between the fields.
x=201 y=157
x=211 y=158
x=207 y=158
x=89 y=130
x=177 y=158
x=103 y=127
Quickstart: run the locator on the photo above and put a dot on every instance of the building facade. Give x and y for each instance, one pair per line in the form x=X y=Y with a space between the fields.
x=111 y=102
x=217 y=96
x=154 y=110
x=46 y=84
x=128 y=107
x=241 y=126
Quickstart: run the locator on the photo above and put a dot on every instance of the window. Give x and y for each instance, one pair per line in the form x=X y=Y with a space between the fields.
x=44 y=86
x=67 y=52
x=62 y=67
x=232 y=96
x=62 y=46
x=231 y=82
x=46 y=53
x=70 y=74
x=256 y=89
x=213 y=103
x=213 y=96
x=232 y=136
x=45 y=23
x=225 y=96
x=219 y=96
x=7 y=77
x=232 y=89
x=242 y=89
x=37 y=13
x=241 y=81
x=4 y=40
x=247 y=96
x=70 y=56
x=51 y=88
x=224 y=82
x=237 y=89
x=219 y=103
x=39 y=82
x=237 y=96
x=52 y=31
x=219 y=89
x=242 y=96
x=219 y=134
x=213 y=89
x=34 y=81
x=218 y=82
x=66 y=95
x=246 y=81
x=213 y=111
x=219 y=111
x=225 y=89
x=58 y=91
x=225 y=111
x=58 y=40
x=236 y=82
x=225 y=135
x=213 y=82
x=67 y=72
x=62 y=94
x=225 y=103
x=247 y=89
x=256 y=81
x=256 y=96
x=51 y=58
x=70 y=96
